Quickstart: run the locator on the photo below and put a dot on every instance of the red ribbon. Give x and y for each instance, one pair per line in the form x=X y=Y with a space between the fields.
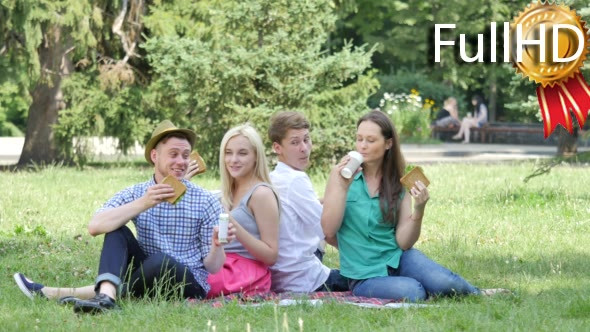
x=557 y=101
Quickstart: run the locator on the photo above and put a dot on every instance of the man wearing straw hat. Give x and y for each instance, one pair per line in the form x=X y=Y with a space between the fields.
x=174 y=239
x=176 y=245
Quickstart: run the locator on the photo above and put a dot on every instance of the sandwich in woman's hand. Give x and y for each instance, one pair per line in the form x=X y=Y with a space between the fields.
x=416 y=174
x=179 y=188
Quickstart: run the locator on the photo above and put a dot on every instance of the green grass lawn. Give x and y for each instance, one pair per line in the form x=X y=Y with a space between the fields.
x=482 y=222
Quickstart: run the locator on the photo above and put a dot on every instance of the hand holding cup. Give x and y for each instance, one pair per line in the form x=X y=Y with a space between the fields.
x=354 y=162
x=223 y=228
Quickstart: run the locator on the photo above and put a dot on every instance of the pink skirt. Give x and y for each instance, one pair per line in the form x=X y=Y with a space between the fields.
x=239 y=275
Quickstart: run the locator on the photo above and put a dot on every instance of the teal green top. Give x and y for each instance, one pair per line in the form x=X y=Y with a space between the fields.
x=367 y=245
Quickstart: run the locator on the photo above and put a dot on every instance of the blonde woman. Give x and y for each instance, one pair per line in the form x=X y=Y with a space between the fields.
x=448 y=116
x=253 y=206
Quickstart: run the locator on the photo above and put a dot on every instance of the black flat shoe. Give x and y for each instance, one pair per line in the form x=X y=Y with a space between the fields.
x=68 y=300
x=98 y=304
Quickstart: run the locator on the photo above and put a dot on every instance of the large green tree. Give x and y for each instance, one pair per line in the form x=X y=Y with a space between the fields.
x=51 y=38
x=42 y=34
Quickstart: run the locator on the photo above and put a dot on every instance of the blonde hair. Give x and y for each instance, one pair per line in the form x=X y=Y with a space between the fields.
x=260 y=168
x=451 y=105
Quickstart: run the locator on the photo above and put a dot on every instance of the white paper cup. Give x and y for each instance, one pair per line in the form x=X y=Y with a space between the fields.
x=223 y=225
x=356 y=159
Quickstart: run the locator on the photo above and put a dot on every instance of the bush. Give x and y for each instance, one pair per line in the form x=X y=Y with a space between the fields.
x=404 y=81
x=524 y=111
x=409 y=114
x=14 y=107
x=93 y=111
x=254 y=58
x=9 y=129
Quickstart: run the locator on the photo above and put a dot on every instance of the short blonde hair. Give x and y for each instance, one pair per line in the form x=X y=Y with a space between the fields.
x=450 y=104
x=260 y=168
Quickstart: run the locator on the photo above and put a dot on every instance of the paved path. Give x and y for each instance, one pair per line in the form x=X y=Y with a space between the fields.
x=104 y=148
x=457 y=152
x=10 y=148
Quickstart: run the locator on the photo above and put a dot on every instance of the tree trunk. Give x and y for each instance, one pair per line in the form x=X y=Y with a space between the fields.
x=40 y=146
x=567 y=145
x=493 y=100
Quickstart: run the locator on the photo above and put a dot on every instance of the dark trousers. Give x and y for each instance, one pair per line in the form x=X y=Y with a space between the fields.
x=334 y=283
x=122 y=259
x=319 y=254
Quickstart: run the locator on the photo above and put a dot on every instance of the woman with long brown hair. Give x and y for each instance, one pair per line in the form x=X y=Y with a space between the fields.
x=370 y=218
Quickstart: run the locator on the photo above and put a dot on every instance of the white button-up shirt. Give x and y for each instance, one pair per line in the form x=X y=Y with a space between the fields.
x=297 y=268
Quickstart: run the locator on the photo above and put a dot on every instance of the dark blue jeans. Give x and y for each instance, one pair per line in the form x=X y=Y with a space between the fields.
x=319 y=254
x=416 y=278
x=121 y=258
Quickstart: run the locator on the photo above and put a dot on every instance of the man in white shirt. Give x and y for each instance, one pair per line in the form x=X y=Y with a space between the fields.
x=297 y=268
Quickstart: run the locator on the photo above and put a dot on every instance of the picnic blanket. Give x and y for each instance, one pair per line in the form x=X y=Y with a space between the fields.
x=314 y=299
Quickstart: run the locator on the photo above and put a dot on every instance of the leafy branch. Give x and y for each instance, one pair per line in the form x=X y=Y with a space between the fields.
x=546 y=166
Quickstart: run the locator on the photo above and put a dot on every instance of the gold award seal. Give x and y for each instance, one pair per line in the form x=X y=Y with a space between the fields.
x=562 y=86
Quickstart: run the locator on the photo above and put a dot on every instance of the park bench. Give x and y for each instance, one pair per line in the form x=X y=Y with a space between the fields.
x=489 y=132
x=445 y=133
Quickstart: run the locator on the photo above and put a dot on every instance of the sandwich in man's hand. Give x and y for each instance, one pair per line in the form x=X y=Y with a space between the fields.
x=179 y=188
x=202 y=167
x=416 y=174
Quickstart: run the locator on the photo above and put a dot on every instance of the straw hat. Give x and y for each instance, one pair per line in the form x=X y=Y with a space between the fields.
x=164 y=128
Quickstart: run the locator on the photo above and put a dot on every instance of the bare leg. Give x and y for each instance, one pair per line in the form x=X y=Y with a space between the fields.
x=468 y=123
x=108 y=289
x=467 y=134
x=83 y=293
x=461 y=129
x=32 y=289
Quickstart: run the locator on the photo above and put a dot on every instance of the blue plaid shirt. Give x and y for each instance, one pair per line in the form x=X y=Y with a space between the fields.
x=182 y=231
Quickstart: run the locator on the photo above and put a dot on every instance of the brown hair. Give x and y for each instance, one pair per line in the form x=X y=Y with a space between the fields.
x=281 y=122
x=392 y=168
